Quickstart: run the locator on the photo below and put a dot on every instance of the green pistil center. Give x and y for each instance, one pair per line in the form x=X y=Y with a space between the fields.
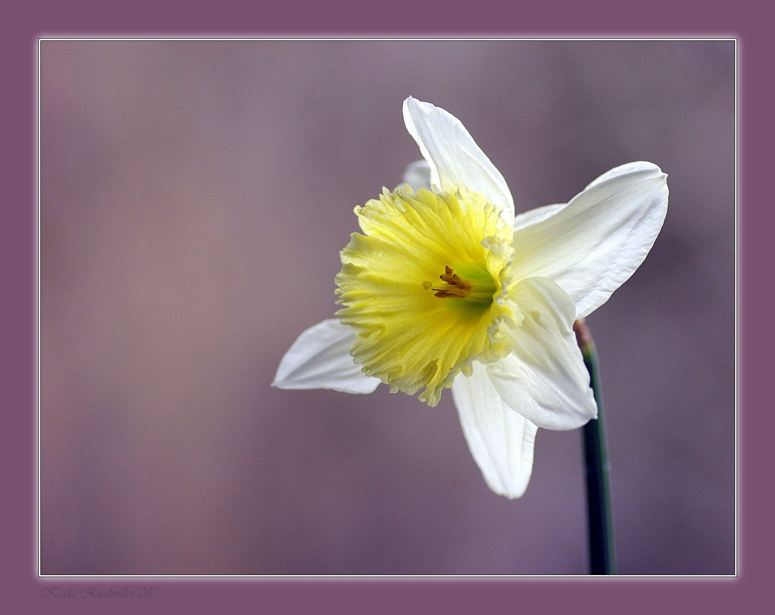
x=478 y=286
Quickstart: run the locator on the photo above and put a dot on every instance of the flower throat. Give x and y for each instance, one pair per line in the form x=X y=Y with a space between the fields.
x=480 y=289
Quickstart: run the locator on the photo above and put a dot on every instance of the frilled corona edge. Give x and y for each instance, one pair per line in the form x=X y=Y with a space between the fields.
x=426 y=288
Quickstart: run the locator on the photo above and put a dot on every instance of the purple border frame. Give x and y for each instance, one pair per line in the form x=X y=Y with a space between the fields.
x=23 y=589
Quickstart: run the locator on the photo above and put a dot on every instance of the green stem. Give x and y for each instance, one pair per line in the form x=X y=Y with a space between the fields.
x=599 y=523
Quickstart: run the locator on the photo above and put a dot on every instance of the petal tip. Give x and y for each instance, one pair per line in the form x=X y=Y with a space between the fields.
x=410 y=103
x=509 y=492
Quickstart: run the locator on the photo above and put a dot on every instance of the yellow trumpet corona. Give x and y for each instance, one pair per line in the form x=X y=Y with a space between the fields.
x=426 y=287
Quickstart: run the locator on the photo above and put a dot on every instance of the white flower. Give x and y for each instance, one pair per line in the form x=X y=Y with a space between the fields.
x=446 y=287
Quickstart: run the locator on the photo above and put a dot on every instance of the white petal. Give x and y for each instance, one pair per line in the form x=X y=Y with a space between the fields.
x=534 y=216
x=501 y=441
x=418 y=175
x=544 y=378
x=621 y=170
x=595 y=243
x=454 y=158
x=320 y=359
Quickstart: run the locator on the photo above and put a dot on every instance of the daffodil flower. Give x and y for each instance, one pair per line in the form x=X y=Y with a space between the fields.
x=447 y=288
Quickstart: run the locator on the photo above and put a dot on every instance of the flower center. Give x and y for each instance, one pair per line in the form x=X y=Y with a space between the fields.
x=480 y=289
x=425 y=288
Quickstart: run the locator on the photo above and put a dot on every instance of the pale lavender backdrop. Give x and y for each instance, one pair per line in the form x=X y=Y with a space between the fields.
x=194 y=199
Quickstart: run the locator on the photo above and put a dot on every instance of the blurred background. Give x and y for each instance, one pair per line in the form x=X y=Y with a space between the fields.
x=194 y=199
